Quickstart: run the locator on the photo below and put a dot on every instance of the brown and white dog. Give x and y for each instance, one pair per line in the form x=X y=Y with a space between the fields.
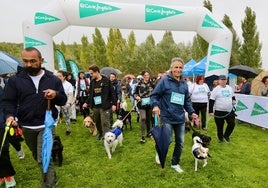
x=89 y=123
x=200 y=153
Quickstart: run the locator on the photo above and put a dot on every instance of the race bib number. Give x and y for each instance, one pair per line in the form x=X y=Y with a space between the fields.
x=97 y=100
x=145 y=101
x=177 y=98
x=201 y=90
x=225 y=93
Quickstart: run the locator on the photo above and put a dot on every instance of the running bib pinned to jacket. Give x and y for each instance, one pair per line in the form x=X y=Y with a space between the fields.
x=177 y=98
x=97 y=100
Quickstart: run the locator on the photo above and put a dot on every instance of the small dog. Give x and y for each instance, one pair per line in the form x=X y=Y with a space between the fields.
x=125 y=116
x=89 y=123
x=57 y=150
x=113 y=137
x=200 y=153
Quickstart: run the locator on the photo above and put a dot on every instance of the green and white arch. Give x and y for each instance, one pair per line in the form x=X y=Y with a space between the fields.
x=58 y=15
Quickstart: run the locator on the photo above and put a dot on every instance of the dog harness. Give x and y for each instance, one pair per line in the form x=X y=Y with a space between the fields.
x=117 y=131
x=196 y=152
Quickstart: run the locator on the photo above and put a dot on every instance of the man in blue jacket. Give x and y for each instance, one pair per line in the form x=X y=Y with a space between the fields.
x=169 y=100
x=25 y=102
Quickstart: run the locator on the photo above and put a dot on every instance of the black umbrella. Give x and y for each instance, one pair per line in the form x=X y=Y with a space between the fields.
x=109 y=70
x=162 y=138
x=243 y=70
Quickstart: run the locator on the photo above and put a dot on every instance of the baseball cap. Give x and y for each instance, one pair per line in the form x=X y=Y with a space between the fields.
x=222 y=77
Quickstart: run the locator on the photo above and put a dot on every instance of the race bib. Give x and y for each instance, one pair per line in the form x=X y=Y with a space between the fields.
x=225 y=93
x=145 y=101
x=177 y=98
x=97 y=100
x=201 y=90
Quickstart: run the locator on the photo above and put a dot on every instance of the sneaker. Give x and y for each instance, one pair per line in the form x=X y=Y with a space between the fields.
x=2 y=180
x=226 y=139
x=157 y=159
x=10 y=181
x=100 y=137
x=177 y=168
x=21 y=154
x=142 y=140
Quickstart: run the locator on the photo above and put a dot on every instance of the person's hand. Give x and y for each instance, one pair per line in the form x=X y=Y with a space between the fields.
x=138 y=98
x=85 y=105
x=11 y=120
x=156 y=110
x=113 y=108
x=211 y=114
x=49 y=94
x=195 y=116
x=68 y=105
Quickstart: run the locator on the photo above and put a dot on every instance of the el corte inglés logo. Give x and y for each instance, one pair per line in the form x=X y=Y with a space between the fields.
x=41 y=18
x=258 y=110
x=214 y=66
x=30 y=42
x=209 y=22
x=240 y=106
x=153 y=12
x=89 y=8
x=217 y=50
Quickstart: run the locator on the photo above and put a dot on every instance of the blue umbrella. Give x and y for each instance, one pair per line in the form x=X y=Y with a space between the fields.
x=8 y=63
x=47 y=139
x=162 y=138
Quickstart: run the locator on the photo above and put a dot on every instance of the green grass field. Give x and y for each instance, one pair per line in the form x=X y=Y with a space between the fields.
x=242 y=163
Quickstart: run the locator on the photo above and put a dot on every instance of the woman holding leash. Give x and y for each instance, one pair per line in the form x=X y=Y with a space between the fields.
x=222 y=100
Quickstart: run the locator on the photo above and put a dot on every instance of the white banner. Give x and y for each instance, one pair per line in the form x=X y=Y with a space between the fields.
x=252 y=109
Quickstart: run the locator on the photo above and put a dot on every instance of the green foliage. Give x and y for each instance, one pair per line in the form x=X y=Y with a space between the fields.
x=241 y=163
x=250 y=53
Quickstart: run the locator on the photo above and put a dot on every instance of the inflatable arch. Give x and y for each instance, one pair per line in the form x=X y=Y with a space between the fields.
x=60 y=14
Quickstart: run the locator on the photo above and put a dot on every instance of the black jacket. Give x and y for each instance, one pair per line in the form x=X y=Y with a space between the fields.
x=22 y=100
x=108 y=95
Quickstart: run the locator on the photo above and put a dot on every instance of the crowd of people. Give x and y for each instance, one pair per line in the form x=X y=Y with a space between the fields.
x=24 y=99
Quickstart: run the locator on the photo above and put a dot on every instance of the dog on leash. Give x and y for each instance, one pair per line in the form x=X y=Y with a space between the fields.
x=200 y=153
x=90 y=125
x=125 y=116
x=57 y=150
x=113 y=137
x=188 y=127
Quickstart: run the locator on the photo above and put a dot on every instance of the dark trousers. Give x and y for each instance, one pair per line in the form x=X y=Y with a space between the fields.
x=201 y=108
x=6 y=167
x=220 y=117
x=83 y=111
x=146 y=118
x=102 y=120
x=33 y=139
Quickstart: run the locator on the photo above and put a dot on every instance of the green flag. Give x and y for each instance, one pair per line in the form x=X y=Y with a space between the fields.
x=61 y=61
x=74 y=69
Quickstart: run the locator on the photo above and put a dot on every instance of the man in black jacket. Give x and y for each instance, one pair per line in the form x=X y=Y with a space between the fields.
x=101 y=99
x=25 y=103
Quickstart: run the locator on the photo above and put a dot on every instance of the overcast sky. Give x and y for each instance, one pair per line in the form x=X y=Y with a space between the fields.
x=14 y=12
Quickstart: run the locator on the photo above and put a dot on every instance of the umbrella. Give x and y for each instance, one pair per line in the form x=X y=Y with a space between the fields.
x=257 y=83
x=8 y=63
x=129 y=76
x=108 y=70
x=7 y=128
x=162 y=138
x=243 y=70
x=47 y=140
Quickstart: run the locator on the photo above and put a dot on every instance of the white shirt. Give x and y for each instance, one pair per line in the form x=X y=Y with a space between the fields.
x=68 y=89
x=223 y=98
x=199 y=92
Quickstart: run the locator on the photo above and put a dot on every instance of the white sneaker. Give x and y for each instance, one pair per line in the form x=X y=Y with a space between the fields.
x=157 y=159
x=177 y=168
x=21 y=154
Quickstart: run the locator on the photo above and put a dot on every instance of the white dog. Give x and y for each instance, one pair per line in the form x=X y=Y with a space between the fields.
x=113 y=137
x=200 y=153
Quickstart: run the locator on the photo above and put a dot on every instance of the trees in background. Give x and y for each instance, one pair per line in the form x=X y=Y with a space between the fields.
x=127 y=56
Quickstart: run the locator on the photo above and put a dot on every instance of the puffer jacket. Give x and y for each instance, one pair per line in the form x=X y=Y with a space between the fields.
x=22 y=100
x=170 y=112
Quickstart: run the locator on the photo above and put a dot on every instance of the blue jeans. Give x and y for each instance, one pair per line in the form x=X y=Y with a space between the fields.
x=179 y=141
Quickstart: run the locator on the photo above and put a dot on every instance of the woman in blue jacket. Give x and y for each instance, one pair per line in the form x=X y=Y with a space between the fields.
x=169 y=100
